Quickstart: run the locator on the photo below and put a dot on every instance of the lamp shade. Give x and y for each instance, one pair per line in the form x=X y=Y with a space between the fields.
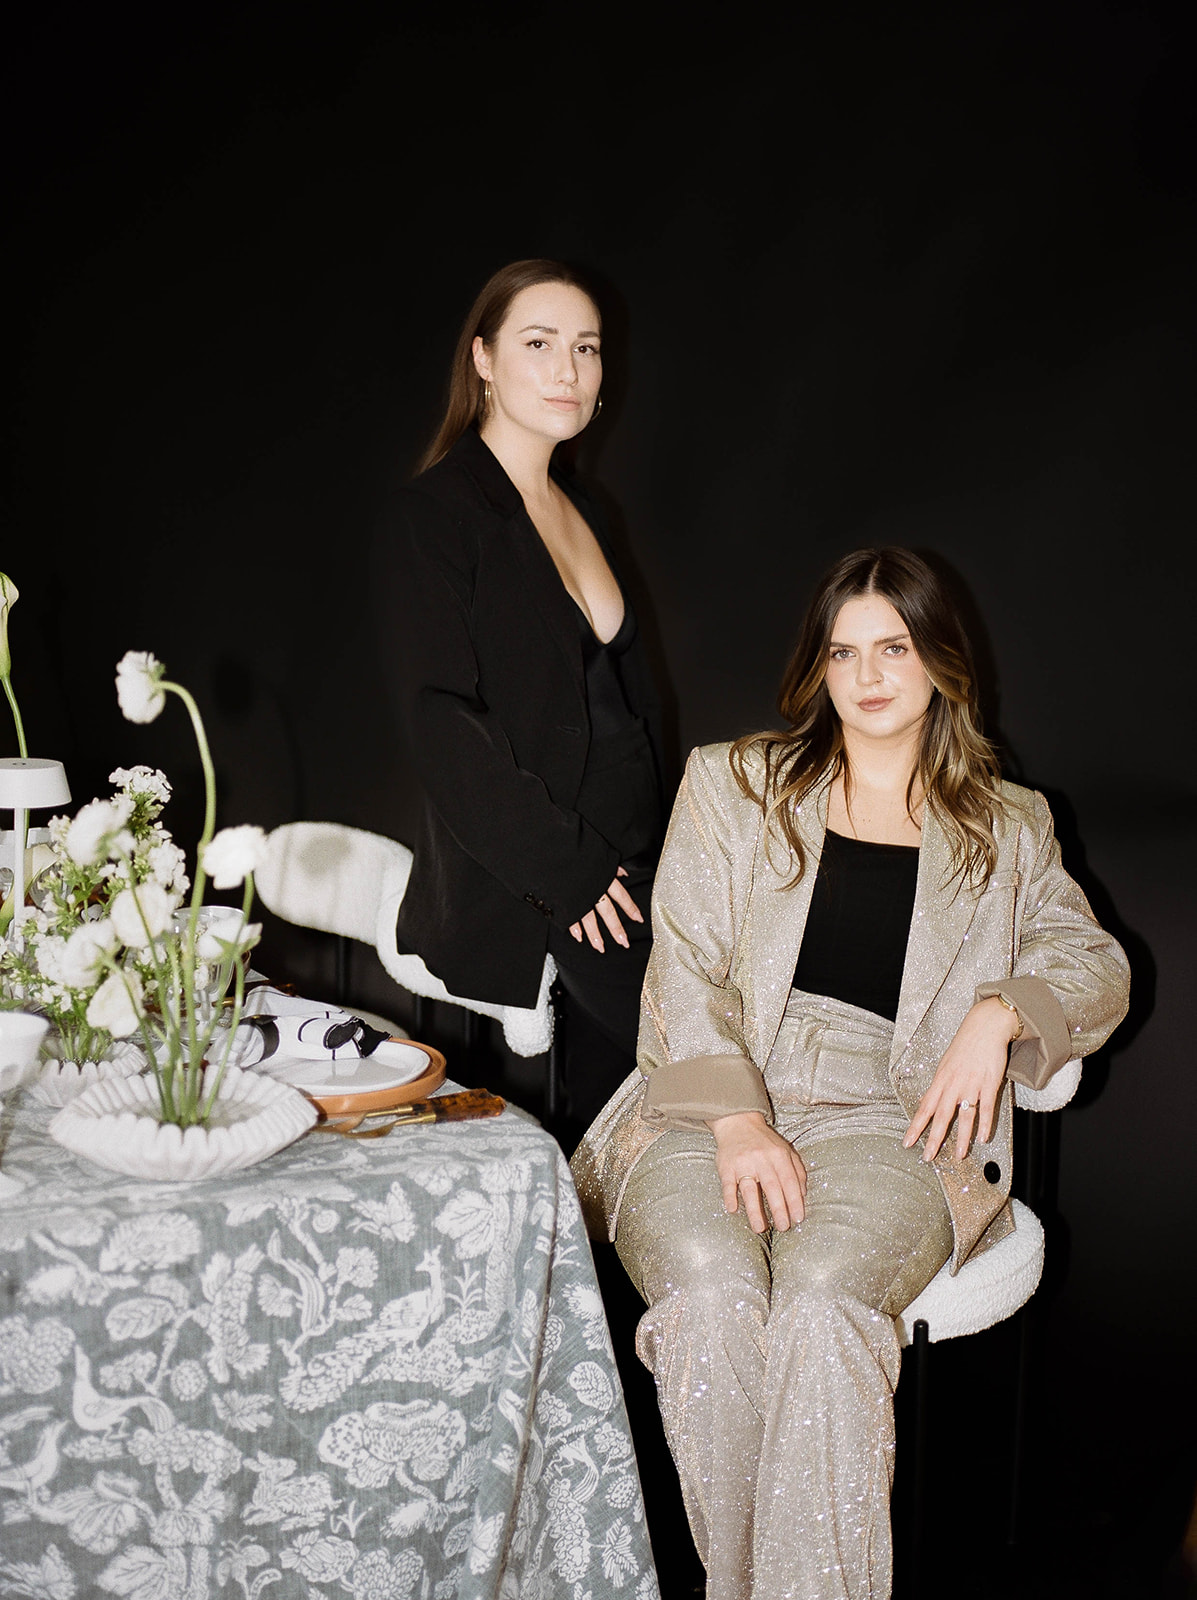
x=27 y=783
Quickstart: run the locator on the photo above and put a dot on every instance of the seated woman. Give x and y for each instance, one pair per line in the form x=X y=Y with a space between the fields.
x=861 y=935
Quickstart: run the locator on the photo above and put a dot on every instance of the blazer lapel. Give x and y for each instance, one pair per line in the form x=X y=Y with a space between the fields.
x=775 y=922
x=943 y=910
x=546 y=592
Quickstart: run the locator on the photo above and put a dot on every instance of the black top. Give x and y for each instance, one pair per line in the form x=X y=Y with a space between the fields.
x=854 y=945
x=619 y=793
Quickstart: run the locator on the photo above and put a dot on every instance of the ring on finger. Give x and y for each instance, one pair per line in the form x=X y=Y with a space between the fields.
x=966 y=1105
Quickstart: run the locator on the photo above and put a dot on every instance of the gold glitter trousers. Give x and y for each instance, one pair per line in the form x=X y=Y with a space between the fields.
x=775 y=1355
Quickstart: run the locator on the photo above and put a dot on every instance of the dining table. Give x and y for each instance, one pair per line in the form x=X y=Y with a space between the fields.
x=376 y=1367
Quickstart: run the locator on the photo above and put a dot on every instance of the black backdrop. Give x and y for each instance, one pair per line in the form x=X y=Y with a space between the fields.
x=920 y=276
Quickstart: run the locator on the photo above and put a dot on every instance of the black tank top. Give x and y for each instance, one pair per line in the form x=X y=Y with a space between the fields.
x=854 y=944
x=619 y=791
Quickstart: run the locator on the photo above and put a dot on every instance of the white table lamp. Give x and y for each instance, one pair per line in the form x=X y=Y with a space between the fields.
x=28 y=784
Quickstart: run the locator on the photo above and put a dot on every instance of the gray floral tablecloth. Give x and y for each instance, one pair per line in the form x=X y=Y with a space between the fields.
x=373 y=1368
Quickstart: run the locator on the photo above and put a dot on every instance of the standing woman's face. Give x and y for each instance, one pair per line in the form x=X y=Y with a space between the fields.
x=544 y=367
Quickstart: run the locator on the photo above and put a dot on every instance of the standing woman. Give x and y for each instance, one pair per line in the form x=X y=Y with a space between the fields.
x=862 y=935
x=515 y=662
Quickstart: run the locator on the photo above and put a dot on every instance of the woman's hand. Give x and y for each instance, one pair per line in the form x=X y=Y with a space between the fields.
x=967 y=1081
x=752 y=1160
x=608 y=908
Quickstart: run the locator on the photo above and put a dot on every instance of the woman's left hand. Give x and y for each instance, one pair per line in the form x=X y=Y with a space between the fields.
x=967 y=1081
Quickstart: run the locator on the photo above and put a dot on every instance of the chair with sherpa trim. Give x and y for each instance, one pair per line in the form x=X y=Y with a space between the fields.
x=350 y=882
x=989 y=1288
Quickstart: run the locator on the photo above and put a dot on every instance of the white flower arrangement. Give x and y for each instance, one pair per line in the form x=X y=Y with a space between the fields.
x=110 y=950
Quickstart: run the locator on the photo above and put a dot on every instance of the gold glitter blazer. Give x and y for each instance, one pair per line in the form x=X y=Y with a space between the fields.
x=726 y=936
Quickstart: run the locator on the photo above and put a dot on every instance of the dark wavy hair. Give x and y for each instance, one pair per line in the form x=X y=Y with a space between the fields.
x=957 y=767
x=466 y=403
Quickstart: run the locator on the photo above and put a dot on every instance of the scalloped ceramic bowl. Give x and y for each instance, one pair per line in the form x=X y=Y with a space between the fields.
x=58 y=1082
x=117 y=1124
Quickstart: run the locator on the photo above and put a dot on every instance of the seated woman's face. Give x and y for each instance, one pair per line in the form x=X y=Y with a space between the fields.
x=874 y=676
x=544 y=366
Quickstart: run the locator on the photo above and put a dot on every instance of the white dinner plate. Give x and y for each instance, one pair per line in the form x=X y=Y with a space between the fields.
x=393 y=1063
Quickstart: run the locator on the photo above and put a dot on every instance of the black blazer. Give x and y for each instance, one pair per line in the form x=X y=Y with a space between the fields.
x=482 y=658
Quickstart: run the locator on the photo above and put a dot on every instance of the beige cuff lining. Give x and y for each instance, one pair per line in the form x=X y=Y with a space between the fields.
x=1046 y=1043
x=689 y=1094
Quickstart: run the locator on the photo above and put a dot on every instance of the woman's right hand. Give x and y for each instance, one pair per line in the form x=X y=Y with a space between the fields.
x=609 y=906
x=752 y=1160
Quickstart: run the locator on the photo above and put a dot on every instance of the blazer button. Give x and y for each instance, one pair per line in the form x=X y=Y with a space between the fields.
x=992 y=1172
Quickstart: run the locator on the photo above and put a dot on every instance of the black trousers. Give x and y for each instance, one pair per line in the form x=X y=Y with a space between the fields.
x=600 y=1016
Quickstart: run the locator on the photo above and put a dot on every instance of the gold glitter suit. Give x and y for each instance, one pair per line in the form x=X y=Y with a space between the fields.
x=776 y=1356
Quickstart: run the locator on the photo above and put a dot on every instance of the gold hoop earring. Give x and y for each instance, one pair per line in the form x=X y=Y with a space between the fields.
x=486 y=396
x=598 y=409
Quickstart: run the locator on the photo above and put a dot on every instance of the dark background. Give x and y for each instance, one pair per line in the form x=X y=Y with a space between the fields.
x=919 y=275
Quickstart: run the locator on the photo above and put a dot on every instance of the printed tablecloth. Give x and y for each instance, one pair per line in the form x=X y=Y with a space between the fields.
x=375 y=1368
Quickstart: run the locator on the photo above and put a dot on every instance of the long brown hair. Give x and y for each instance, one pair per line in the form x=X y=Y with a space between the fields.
x=466 y=402
x=956 y=767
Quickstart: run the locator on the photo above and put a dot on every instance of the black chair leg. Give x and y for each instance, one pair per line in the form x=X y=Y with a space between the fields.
x=1023 y=1382
x=554 y=1093
x=919 y=1349
x=342 y=976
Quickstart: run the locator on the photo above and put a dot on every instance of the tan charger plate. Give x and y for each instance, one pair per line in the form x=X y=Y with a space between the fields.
x=370 y=1086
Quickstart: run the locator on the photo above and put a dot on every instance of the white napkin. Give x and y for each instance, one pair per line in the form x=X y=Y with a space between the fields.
x=274 y=1024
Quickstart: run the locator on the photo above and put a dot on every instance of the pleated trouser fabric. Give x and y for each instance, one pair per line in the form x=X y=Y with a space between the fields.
x=775 y=1355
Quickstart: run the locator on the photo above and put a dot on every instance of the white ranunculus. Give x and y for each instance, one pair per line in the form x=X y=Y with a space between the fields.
x=142 y=780
x=116 y=1004
x=219 y=928
x=233 y=854
x=139 y=927
x=83 y=958
x=139 y=685
x=98 y=831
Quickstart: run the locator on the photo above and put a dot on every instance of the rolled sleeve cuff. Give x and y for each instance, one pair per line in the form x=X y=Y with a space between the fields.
x=1046 y=1042
x=689 y=1094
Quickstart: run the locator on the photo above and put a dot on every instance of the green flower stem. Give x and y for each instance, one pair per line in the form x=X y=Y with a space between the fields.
x=238 y=999
x=192 y=1073
x=16 y=717
x=8 y=909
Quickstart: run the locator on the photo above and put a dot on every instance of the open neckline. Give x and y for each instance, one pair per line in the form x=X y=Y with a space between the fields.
x=870 y=844
x=603 y=644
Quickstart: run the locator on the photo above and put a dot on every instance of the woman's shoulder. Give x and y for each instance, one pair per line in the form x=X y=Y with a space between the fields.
x=449 y=483
x=722 y=768
x=1021 y=808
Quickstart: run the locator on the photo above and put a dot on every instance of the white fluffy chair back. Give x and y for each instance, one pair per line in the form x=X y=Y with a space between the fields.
x=327 y=876
x=347 y=881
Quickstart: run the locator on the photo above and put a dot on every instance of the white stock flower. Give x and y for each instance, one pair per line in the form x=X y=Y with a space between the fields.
x=82 y=959
x=99 y=830
x=116 y=1004
x=142 y=780
x=234 y=853
x=50 y=954
x=139 y=927
x=138 y=685
x=167 y=863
